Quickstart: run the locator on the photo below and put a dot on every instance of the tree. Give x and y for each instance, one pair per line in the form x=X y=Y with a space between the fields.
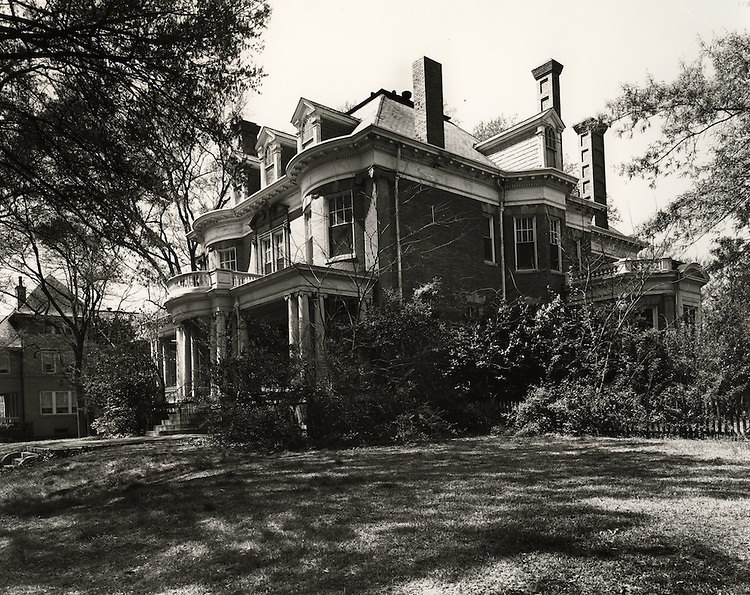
x=100 y=103
x=484 y=130
x=704 y=122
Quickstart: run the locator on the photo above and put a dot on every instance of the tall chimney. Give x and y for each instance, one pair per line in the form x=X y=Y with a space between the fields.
x=427 y=76
x=20 y=294
x=593 y=183
x=548 y=85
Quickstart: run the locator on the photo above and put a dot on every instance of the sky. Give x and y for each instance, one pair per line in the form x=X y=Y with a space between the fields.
x=337 y=51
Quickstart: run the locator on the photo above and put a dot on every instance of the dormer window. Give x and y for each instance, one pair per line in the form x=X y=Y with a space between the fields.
x=550 y=142
x=308 y=132
x=269 y=164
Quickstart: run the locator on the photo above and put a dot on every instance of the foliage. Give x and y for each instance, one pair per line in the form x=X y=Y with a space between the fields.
x=103 y=104
x=123 y=387
x=704 y=120
x=484 y=130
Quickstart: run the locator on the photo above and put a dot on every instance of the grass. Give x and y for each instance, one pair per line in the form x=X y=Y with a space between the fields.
x=494 y=515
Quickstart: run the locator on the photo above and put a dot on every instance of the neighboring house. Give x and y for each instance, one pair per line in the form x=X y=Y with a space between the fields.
x=37 y=399
x=388 y=196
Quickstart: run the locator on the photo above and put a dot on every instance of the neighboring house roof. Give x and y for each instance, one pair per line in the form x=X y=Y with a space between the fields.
x=9 y=337
x=38 y=303
x=387 y=113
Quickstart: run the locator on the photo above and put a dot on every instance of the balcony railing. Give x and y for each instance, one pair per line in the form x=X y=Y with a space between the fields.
x=643 y=266
x=203 y=281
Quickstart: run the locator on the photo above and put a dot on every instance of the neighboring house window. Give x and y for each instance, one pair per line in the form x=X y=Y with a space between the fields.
x=228 y=258
x=57 y=402
x=488 y=238
x=555 y=245
x=4 y=362
x=269 y=163
x=340 y=225
x=525 y=243
x=272 y=251
x=49 y=361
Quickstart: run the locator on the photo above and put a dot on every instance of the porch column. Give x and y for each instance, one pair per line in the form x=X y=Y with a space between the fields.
x=242 y=337
x=304 y=325
x=194 y=362
x=221 y=335
x=320 y=330
x=163 y=361
x=292 y=308
x=184 y=370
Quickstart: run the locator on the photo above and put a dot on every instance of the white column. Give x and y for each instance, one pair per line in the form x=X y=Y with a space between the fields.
x=221 y=335
x=320 y=331
x=304 y=325
x=293 y=320
x=183 y=360
x=194 y=362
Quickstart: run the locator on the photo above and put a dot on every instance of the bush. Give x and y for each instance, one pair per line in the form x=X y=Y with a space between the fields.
x=422 y=424
x=268 y=427
x=579 y=409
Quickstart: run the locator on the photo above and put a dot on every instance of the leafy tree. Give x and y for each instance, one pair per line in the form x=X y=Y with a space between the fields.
x=704 y=122
x=124 y=389
x=101 y=103
x=484 y=130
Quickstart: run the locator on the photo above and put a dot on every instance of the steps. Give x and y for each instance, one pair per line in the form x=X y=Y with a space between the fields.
x=177 y=423
x=21 y=458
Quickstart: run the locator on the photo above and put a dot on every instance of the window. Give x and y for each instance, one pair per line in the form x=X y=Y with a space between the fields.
x=585 y=170
x=340 y=225
x=541 y=85
x=49 y=361
x=4 y=362
x=586 y=187
x=308 y=133
x=488 y=238
x=272 y=251
x=550 y=141
x=269 y=162
x=525 y=229
x=690 y=316
x=57 y=402
x=228 y=258
x=555 y=245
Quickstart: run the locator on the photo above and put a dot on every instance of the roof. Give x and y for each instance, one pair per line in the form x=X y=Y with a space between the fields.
x=385 y=112
x=9 y=337
x=38 y=303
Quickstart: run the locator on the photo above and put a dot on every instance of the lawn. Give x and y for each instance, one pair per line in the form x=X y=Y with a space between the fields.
x=492 y=515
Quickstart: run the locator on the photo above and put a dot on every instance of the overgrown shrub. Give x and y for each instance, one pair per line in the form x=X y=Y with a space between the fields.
x=579 y=409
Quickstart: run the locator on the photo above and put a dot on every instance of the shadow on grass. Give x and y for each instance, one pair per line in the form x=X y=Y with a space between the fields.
x=370 y=520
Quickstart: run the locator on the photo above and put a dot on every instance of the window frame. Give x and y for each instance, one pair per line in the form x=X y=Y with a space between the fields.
x=66 y=397
x=337 y=220
x=516 y=242
x=5 y=362
x=488 y=240
x=45 y=354
x=270 y=260
x=556 y=245
x=221 y=252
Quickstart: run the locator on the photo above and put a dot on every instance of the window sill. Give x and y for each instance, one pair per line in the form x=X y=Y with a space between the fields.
x=526 y=271
x=342 y=258
x=490 y=263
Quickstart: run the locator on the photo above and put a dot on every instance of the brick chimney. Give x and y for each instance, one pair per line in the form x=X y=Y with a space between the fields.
x=20 y=294
x=593 y=183
x=427 y=76
x=548 y=85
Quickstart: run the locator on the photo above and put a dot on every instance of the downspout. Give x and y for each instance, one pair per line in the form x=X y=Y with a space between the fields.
x=398 y=226
x=502 y=237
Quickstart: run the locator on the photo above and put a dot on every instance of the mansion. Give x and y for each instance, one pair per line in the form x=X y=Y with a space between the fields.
x=390 y=195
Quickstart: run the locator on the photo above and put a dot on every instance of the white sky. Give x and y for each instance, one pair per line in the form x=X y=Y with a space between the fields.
x=338 y=51
x=334 y=51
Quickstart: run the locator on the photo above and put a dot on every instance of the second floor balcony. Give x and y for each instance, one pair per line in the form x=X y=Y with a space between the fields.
x=198 y=282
